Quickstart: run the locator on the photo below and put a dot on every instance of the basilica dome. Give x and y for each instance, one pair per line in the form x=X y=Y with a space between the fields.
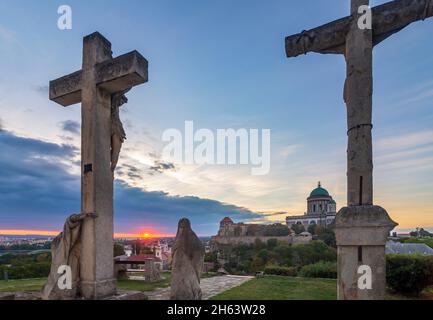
x=319 y=192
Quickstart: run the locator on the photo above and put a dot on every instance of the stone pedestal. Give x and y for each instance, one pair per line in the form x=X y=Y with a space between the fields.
x=361 y=233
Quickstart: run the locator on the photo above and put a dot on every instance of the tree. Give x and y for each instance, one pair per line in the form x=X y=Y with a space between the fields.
x=420 y=232
x=275 y=230
x=312 y=228
x=257 y=264
x=118 y=250
x=283 y=254
x=313 y=252
x=258 y=244
x=327 y=236
x=298 y=228
x=272 y=243
x=264 y=255
x=211 y=257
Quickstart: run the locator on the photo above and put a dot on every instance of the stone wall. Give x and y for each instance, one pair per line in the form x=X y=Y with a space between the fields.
x=291 y=239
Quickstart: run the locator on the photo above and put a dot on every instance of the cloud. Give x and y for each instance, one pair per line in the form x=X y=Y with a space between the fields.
x=161 y=166
x=37 y=191
x=131 y=171
x=34 y=181
x=135 y=206
x=416 y=94
x=6 y=34
x=70 y=126
x=289 y=150
x=408 y=140
x=406 y=152
x=43 y=89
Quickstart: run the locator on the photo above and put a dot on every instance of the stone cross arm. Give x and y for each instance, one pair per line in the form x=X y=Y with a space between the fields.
x=113 y=75
x=388 y=19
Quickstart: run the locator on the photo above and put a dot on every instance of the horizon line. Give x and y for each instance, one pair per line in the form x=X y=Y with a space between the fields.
x=48 y=233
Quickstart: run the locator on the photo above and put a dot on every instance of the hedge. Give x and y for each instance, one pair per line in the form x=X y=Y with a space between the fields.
x=321 y=269
x=281 y=271
x=409 y=274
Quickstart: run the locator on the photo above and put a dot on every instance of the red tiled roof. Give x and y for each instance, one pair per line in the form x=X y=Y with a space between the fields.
x=165 y=255
x=143 y=257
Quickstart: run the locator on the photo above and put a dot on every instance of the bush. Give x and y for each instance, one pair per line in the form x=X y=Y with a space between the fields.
x=281 y=271
x=298 y=228
x=25 y=266
x=322 y=269
x=409 y=274
x=313 y=252
x=283 y=254
x=32 y=270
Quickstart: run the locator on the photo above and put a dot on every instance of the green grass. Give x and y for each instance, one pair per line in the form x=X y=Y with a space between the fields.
x=265 y=288
x=25 y=285
x=137 y=285
x=282 y=288
x=290 y=288
x=33 y=285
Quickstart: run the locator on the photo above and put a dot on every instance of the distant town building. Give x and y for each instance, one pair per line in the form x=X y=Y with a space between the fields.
x=128 y=250
x=408 y=248
x=162 y=251
x=148 y=264
x=321 y=209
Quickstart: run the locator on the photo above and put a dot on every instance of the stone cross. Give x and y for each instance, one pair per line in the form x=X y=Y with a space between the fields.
x=361 y=228
x=100 y=77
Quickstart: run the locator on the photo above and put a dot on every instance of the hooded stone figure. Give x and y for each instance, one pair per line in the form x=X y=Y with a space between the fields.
x=187 y=265
x=65 y=251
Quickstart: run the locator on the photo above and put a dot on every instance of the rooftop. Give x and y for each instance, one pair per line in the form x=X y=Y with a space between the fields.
x=408 y=248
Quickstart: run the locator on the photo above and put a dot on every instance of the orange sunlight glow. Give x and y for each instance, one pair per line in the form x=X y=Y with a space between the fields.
x=143 y=235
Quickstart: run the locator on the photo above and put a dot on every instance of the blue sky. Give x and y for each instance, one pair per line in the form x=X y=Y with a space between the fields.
x=221 y=64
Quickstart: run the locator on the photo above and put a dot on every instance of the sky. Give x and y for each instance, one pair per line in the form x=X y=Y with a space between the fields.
x=220 y=64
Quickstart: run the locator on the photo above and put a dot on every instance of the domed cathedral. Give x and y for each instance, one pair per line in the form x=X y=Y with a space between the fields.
x=321 y=209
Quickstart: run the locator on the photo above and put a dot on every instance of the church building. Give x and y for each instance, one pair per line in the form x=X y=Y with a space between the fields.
x=321 y=209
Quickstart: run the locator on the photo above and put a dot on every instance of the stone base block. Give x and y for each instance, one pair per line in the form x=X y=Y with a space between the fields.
x=361 y=233
x=94 y=290
x=128 y=295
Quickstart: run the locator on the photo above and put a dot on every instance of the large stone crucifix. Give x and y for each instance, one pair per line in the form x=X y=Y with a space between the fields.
x=361 y=227
x=99 y=86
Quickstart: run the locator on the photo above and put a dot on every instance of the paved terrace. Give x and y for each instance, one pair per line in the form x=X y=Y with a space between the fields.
x=210 y=287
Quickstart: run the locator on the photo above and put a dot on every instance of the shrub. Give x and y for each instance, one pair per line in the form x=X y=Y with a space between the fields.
x=281 y=271
x=409 y=274
x=322 y=269
x=272 y=243
x=313 y=252
x=298 y=228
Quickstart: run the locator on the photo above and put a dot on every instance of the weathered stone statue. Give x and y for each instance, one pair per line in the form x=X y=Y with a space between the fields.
x=118 y=134
x=187 y=265
x=65 y=251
